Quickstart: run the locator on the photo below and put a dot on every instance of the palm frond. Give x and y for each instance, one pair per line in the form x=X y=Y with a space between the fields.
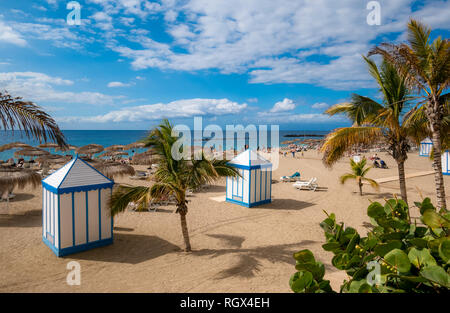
x=343 y=139
x=28 y=117
x=123 y=195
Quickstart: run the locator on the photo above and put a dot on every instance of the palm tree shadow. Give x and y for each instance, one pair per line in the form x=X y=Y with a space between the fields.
x=28 y=219
x=249 y=259
x=130 y=249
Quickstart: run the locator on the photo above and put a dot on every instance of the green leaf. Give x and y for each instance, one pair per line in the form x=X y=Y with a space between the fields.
x=317 y=269
x=331 y=246
x=444 y=250
x=421 y=258
x=436 y=274
x=425 y=205
x=300 y=281
x=305 y=256
x=435 y=220
x=399 y=260
x=385 y=248
x=418 y=242
x=375 y=210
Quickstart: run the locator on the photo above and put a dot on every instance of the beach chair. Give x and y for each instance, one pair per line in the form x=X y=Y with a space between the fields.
x=294 y=177
x=140 y=175
x=309 y=185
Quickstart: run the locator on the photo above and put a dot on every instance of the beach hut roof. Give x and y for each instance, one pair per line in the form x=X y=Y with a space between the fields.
x=77 y=175
x=249 y=158
x=426 y=140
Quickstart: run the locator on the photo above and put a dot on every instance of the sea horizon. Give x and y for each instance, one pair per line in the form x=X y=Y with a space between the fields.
x=123 y=137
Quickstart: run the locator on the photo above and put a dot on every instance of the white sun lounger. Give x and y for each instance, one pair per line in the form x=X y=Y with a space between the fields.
x=310 y=185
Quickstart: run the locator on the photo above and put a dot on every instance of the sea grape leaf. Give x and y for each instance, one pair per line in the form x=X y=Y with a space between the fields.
x=399 y=260
x=421 y=258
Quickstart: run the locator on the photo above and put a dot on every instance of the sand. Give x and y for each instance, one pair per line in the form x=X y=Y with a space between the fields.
x=236 y=249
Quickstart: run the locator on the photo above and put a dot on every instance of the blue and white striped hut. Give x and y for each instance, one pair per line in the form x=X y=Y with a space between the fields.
x=75 y=213
x=425 y=147
x=254 y=187
x=445 y=162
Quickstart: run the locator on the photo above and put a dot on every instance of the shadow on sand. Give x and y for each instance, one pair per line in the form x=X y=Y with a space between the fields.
x=26 y=219
x=249 y=259
x=284 y=204
x=128 y=248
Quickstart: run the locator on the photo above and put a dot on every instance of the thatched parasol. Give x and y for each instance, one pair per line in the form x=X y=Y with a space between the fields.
x=30 y=152
x=113 y=153
x=134 y=145
x=115 y=148
x=52 y=158
x=11 y=177
x=111 y=169
x=68 y=148
x=14 y=145
x=48 y=145
x=144 y=158
x=90 y=149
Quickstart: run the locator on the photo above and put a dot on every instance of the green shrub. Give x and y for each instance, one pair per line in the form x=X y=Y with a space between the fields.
x=396 y=255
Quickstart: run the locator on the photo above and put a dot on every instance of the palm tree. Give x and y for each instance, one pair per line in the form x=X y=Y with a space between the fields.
x=426 y=68
x=173 y=177
x=374 y=121
x=359 y=172
x=28 y=117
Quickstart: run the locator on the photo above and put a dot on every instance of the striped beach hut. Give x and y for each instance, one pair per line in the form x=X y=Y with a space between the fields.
x=75 y=213
x=425 y=147
x=254 y=187
x=445 y=162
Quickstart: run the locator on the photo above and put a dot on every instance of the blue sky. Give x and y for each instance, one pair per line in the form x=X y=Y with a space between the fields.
x=132 y=62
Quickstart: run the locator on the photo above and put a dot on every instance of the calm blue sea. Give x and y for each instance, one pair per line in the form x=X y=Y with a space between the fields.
x=114 y=137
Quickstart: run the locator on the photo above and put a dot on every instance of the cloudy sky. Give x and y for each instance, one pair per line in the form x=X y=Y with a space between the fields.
x=133 y=62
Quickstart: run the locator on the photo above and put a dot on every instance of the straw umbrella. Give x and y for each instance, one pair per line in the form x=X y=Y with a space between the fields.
x=34 y=152
x=68 y=148
x=115 y=148
x=90 y=149
x=11 y=177
x=134 y=145
x=14 y=145
x=144 y=158
x=48 y=145
x=111 y=169
x=113 y=153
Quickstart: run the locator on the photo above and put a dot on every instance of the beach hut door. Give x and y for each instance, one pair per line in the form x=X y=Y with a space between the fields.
x=238 y=187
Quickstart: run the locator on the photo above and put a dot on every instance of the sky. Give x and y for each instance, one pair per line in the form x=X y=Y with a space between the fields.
x=131 y=63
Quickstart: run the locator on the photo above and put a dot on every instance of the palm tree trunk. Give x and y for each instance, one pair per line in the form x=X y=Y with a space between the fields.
x=184 y=230
x=360 y=188
x=437 y=166
x=435 y=114
x=401 y=175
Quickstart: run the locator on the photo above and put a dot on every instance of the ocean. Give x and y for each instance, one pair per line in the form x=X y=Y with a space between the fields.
x=122 y=137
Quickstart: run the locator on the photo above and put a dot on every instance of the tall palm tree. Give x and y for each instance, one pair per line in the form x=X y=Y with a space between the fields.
x=173 y=177
x=359 y=171
x=374 y=121
x=426 y=67
x=28 y=117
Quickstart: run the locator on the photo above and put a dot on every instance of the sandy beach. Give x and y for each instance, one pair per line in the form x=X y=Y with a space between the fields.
x=236 y=249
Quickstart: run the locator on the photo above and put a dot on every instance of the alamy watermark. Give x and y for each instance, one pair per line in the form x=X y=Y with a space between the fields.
x=74 y=276
x=374 y=16
x=74 y=16
x=213 y=142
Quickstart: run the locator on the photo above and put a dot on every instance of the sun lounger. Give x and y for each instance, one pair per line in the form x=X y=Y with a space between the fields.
x=309 y=185
x=293 y=177
x=140 y=175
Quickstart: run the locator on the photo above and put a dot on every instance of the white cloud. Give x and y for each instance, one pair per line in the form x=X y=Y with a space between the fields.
x=175 y=109
x=118 y=84
x=40 y=87
x=320 y=106
x=9 y=35
x=282 y=106
x=272 y=39
x=288 y=118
